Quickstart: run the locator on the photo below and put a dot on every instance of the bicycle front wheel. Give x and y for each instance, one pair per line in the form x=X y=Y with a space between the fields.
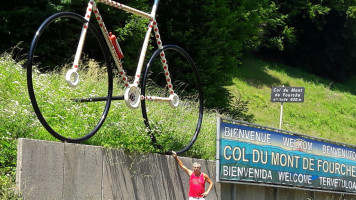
x=70 y=114
x=173 y=104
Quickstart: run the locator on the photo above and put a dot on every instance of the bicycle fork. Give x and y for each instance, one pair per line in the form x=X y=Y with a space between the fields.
x=72 y=76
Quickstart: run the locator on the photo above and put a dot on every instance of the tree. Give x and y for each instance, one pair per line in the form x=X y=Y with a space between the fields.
x=216 y=33
x=317 y=36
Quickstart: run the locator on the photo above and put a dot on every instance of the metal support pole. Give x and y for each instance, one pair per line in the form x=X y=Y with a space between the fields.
x=281 y=116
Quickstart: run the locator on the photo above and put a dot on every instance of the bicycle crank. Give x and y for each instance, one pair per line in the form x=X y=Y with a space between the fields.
x=132 y=96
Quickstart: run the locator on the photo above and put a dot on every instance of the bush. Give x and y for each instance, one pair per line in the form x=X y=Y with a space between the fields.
x=316 y=36
x=7 y=168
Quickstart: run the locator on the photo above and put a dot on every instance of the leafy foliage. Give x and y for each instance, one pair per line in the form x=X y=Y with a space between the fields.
x=215 y=33
x=317 y=36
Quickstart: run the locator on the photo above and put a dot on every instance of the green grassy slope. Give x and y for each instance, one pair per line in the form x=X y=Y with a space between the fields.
x=328 y=111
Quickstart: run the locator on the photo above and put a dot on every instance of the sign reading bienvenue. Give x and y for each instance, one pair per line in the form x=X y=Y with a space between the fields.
x=250 y=154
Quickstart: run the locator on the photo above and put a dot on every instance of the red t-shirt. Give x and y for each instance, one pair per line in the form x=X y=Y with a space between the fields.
x=196 y=185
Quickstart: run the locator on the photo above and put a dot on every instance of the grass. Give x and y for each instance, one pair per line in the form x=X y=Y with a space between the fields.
x=123 y=128
x=329 y=112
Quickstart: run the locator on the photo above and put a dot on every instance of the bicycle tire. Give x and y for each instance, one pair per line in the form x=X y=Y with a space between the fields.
x=60 y=113
x=186 y=83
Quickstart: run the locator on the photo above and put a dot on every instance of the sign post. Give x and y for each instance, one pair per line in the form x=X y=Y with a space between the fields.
x=287 y=94
x=281 y=116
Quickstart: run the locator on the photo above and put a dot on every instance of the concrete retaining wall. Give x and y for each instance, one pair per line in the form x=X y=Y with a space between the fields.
x=53 y=170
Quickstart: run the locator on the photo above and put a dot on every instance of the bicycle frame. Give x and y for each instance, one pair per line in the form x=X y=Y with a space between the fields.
x=92 y=7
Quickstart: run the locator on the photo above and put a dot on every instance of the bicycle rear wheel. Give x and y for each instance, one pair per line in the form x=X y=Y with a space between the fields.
x=166 y=122
x=70 y=114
